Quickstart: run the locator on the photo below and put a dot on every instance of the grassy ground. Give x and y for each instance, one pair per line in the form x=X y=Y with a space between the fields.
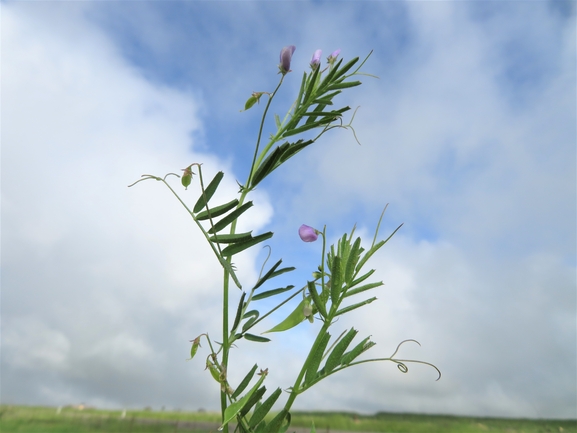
x=23 y=419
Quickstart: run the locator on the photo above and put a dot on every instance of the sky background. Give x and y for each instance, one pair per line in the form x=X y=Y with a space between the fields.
x=469 y=134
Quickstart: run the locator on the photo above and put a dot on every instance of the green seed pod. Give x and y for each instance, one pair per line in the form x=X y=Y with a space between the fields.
x=308 y=311
x=187 y=176
x=250 y=102
x=213 y=370
x=194 y=348
x=255 y=97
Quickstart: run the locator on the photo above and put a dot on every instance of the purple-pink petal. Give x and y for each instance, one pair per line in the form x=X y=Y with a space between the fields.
x=316 y=60
x=286 y=55
x=308 y=234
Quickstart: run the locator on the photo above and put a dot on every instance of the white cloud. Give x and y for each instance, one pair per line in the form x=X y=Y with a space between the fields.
x=104 y=268
x=30 y=344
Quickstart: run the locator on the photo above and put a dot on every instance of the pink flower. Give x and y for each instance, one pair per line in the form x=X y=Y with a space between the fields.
x=331 y=59
x=308 y=234
x=316 y=60
x=286 y=55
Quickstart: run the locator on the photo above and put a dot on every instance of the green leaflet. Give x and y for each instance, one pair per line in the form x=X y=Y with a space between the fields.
x=293 y=319
x=273 y=292
x=332 y=114
x=350 y=356
x=231 y=238
x=344 y=85
x=373 y=250
x=294 y=149
x=260 y=427
x=217 y=210
x=239 y=310
x=316 y=112
x=355 y=306
x=329 y=78
x=282 y=271
x=304 y=128
x=261 y=411
x=236 y=248
x=316 y=359
x=252 y=401
x=334 y=359
x=302 y=89
x=252 y=316
x=208 y=192
x=363 y=288
x=345 y=68
x=242 y=385
x=276 y=424
x=312 y=80
x=222 y=223
x=327 y=99
x=269 y=164
x=271 y=273
x=321 y=113
x=232 y=410
x=336 y=280
x=361 y=279
x=256 y=338
x=267 y=275
x=352 y=260
x=275 y=158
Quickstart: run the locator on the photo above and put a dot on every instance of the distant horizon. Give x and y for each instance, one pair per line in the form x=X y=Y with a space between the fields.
x=297 y=411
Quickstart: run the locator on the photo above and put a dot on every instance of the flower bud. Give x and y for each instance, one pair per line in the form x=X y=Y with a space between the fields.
x=286 y=55
x=308 y=234
x=316 y=60
x=333 y=57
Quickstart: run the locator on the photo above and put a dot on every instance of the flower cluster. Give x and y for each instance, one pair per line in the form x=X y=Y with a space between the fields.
x=287 y=52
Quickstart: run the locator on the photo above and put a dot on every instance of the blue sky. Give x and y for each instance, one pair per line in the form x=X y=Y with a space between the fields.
x=469 y=134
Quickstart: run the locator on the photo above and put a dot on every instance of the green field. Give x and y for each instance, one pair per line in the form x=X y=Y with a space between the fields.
x=25 y=419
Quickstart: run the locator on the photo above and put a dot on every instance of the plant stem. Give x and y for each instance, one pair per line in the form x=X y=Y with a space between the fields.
x=254 y=165
x=223 y=402
x=226 y=282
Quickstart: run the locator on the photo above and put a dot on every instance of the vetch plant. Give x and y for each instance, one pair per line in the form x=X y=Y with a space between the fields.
x=340 y=283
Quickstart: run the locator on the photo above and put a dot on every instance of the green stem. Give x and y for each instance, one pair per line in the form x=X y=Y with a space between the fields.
x=226 y=282
x=254 y=165
x=223 y=401
x=225 y=304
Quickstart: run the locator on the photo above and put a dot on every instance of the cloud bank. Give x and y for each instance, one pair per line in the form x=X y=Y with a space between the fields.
x=469 y=134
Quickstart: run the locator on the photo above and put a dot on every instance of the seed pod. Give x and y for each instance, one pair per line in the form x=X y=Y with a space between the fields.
x=213 y=370
x=195 y=346
x=186 y=178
